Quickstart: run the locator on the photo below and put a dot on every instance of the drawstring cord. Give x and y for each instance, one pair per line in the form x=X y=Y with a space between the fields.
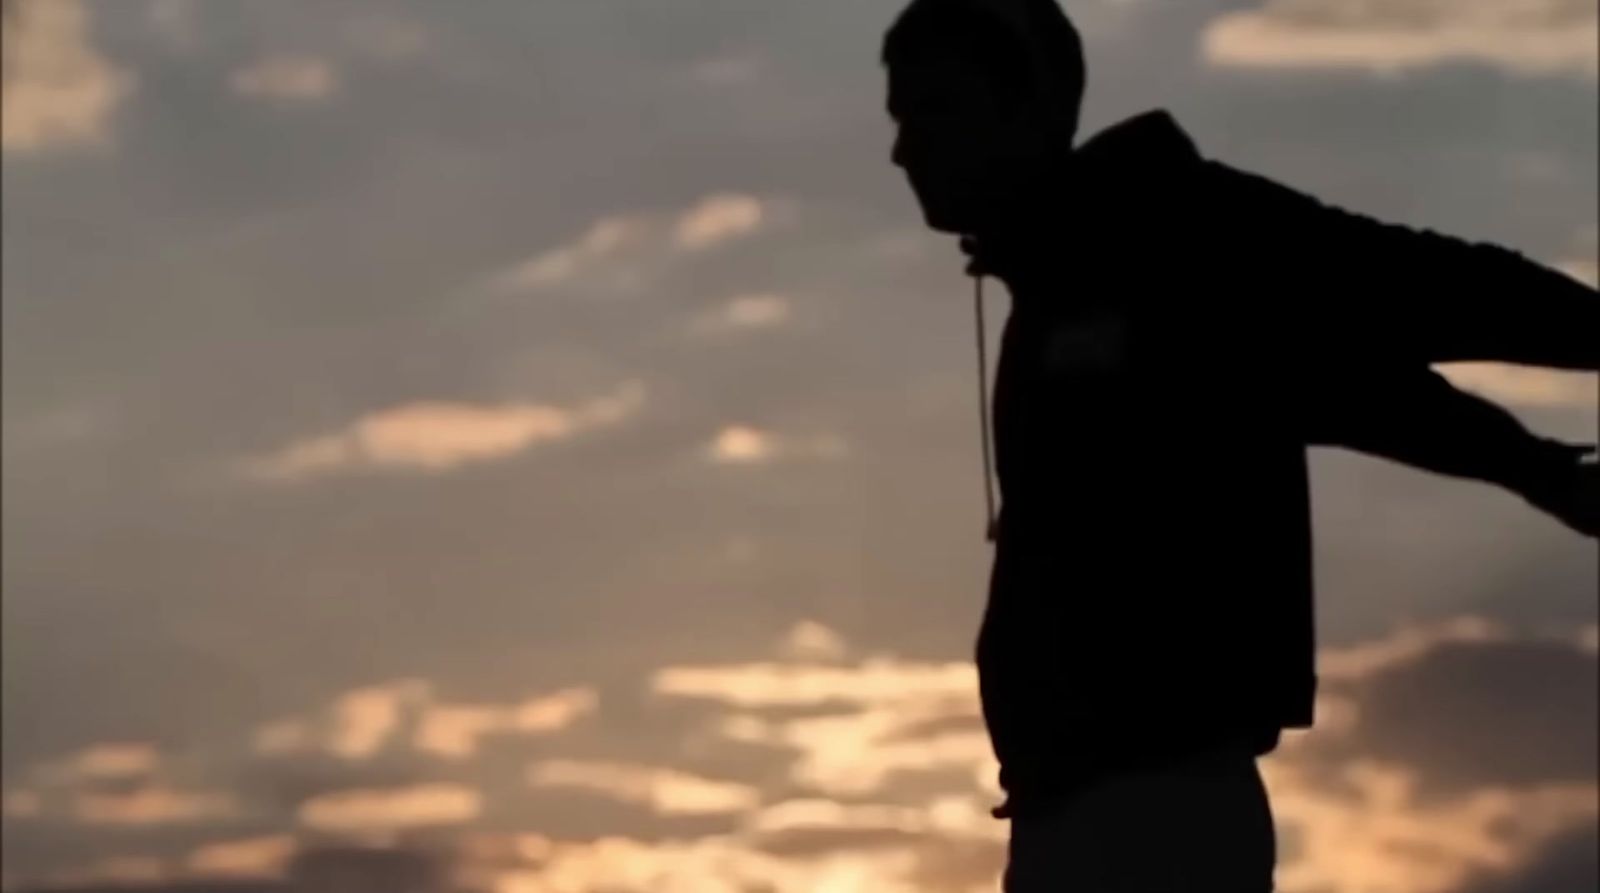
x=991 y=527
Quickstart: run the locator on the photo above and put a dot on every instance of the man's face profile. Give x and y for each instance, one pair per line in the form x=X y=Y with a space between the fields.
x=969 y=150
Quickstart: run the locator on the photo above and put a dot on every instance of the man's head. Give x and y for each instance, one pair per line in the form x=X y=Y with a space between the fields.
x=985 y=95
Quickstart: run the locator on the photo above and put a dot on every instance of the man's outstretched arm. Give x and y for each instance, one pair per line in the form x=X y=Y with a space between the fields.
x=1417 y=417
x=1391 y=292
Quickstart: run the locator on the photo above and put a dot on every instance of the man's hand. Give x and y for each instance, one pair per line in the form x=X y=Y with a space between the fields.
x=1571 y=491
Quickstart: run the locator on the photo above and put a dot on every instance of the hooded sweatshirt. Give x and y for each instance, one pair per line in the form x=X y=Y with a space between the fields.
x=1160 y=378
x=1151 y=588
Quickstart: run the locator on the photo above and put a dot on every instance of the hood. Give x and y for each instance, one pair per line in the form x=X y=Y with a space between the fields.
x=1148 y=144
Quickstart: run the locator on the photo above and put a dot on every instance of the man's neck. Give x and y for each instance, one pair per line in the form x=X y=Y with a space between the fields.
x=1023 y=254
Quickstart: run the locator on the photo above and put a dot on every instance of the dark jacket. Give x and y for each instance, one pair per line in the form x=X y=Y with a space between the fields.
x=1180 y=333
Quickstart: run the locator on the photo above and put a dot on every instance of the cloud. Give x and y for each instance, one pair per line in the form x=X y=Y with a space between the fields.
x=437 y=437
x=666 y=791
x=744 y=313
x=745 y=445
x=717 y=219
x=379 y=811
x=115 y=761
x=1364 y=660
x=286 y=79
x=865 y=743
x=1460 y=751
x=877 y=680
x=284 y=736
x=604 y=239
x=1525 y=385
x=1569 y=862
x=150 y=805
x=453 y=731
x=1371 y=833
x=1526 y=37
x=253 y=857
x=1441 y=713
x=738 y=444
x=1446 y=757
x=616 y=249
x=809 y=641
x=361 y=723
x=859 y=752
x=365 y=719
x=952 y=816
x=58 y=91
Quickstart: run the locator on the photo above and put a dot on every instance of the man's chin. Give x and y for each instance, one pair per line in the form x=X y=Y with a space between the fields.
x=948 y=221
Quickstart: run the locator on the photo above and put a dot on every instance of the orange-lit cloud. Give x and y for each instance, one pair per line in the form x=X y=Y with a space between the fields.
x=365 y=719
x=854 y=753
x=58 y=91
x=438 y=437
x=114 y=760
x=1372 y=833
x=717 y=219
x=876 y=680
x=1403 y=645
x=1531 y=37
x=454 y=730
x=666 y=791
x=907 y=716
x=1362 y=820
x=358 y=724
x=952 y=816
x=150 y=805
x=253 y=857
x=746 y=445
x=387 y=810
x=884 y=776
x=286 y=78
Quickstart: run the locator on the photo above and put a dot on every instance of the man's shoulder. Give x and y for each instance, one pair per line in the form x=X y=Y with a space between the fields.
x=1153 y=135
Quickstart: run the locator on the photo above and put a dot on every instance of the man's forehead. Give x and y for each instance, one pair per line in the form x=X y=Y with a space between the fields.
x=929 y=78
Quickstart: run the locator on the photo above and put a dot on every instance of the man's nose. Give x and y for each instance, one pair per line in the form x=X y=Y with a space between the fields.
x=897 y=155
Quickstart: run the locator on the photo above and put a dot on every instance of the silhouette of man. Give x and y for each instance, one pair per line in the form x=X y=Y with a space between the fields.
x=1180 y=332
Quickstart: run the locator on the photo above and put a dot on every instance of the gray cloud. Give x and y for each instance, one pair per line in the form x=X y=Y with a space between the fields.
x=1568 y=863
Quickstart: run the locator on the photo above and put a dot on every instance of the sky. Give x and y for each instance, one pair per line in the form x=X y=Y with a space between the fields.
x=510 y=447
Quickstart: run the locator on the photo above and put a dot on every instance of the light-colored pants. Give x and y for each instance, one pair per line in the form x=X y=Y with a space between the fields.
x=1201 y=826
